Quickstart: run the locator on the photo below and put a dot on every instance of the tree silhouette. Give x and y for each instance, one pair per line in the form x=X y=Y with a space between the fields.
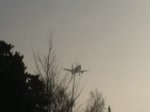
x=61 y=92
x=20 y=91
x=96 y=102
x=13 y=77
x=44 y=92
x=34 y=95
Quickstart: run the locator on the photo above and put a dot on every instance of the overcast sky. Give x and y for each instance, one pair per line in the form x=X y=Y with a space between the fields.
x=109 y=37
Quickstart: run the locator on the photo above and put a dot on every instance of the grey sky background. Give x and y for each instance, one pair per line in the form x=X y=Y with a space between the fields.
x=109 y=37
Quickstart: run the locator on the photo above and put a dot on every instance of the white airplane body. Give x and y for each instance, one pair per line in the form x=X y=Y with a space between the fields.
x=75 y=70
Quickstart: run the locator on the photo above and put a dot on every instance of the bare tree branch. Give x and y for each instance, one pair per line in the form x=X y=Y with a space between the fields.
x=61 y=92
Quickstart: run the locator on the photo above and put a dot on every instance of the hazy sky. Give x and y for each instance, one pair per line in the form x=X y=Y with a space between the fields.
x=109 y=37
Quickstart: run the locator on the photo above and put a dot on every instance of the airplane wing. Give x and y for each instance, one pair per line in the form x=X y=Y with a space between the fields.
x=82 y=71
x=67 y=69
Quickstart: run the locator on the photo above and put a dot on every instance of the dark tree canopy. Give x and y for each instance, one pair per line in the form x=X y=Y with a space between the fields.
x=34 y=95
x=13 y=77
x=20 y=91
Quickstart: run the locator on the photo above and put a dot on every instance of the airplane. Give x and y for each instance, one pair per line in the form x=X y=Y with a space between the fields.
x=75 y=70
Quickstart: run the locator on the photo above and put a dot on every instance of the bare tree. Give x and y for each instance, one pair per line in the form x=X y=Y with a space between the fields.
x=61 y=92
x=95 y=103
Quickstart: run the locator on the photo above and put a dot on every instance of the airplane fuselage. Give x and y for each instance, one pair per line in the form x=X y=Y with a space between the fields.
x=75 y=70
x=78 y=68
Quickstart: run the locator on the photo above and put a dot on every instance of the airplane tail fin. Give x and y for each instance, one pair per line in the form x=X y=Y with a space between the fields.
x=72 y=71
x=72 y=66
